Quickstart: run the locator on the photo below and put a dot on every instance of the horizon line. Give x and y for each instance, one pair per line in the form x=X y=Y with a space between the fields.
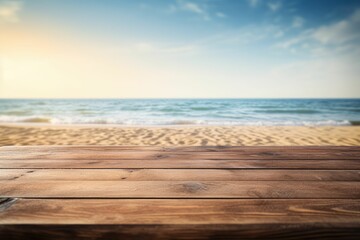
x=177 y=98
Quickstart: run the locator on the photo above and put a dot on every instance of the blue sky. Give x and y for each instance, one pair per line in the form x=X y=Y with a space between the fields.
x=180 y=48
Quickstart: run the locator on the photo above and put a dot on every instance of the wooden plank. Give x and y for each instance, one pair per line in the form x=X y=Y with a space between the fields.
x=103 y=148
x=194 y=153
x=293 y=206
x=205 y=164
x=180 y=189
x=143 y=155
x=182 y=231
x=177 y=175
x=174 y=211
x=175 y=219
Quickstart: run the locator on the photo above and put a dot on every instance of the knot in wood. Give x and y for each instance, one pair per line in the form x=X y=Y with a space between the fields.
x=193 y=187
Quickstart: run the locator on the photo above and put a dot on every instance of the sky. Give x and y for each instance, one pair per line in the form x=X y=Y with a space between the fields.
x=179 y=48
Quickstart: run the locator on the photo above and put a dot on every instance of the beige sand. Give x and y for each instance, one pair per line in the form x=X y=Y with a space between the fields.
x=172 y=136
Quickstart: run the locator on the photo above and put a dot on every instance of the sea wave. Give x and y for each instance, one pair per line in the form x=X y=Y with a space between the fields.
x=38 y=103
x=31 y=119
x=167 y=121
x=37 y=120
x=287 y=111
x=17 y=112
x=204 y=108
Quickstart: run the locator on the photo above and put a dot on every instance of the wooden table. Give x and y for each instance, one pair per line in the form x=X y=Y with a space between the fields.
x=98 y=192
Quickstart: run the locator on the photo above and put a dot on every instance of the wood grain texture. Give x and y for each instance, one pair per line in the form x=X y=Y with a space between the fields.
x=177 y=175
x=175 y=211
x=110 y=192
x=310 y=149
x=180 y=189
x=147 y=155
x=189 y=153
x=182 y=231
x=169 y=164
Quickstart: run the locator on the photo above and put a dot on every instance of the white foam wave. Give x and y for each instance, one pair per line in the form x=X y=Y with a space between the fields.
x=163 y=121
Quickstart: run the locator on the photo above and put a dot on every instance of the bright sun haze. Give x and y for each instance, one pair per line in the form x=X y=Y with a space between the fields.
x=179 y=49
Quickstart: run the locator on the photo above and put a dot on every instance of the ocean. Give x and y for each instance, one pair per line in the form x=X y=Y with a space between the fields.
x=223 y=112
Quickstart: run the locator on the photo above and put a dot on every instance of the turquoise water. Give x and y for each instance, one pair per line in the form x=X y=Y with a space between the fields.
x=252 y=112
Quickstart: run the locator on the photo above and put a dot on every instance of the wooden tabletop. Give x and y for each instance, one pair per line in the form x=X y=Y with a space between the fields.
x=113 y=192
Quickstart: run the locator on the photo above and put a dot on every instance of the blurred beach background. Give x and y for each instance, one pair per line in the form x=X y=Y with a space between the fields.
x=180 y=72
x=169 y=122
x=155 y=112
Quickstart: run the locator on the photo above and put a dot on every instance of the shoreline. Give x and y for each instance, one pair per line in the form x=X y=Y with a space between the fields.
x=177 y=135
x=99 y=125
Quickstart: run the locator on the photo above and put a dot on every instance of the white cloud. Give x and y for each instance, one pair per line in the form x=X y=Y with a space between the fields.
x=289 y=43
x=336 y=38
x=339 y=32
x=298 y=22
x=9 y=11
x=254 y=3
x=199 y=8
x=274 y=6
x=244 y=36
x=192 y=7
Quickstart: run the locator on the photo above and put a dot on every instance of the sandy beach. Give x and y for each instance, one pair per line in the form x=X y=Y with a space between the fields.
x=24 y=134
